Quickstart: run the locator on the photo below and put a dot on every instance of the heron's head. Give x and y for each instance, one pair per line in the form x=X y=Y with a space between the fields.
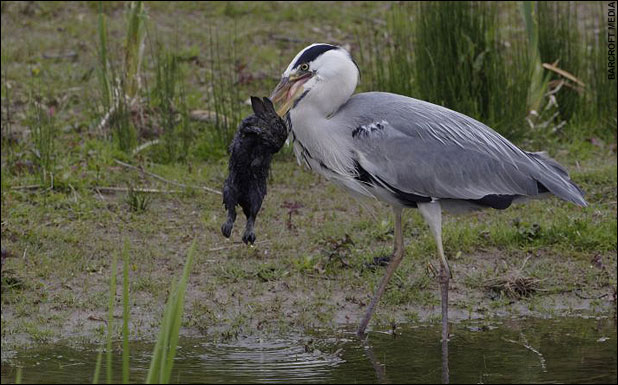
x=323 y=74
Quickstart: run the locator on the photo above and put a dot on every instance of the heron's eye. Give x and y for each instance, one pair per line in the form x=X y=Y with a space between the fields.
x=304 y=67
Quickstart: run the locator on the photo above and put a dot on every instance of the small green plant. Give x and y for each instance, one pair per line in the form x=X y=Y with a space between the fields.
x=537 y=81
x=138 y=201
x=110 y=322
x=162 y=361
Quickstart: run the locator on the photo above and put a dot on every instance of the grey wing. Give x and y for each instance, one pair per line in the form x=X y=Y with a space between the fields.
x=428 y=150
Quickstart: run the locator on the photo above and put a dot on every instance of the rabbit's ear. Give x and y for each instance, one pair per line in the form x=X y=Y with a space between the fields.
x=258 y=106
x=268 y=106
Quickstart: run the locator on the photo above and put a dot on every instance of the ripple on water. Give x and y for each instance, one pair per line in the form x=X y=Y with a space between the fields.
x=511 y=350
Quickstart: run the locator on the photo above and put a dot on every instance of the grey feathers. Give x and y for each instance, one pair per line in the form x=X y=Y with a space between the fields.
x=428 y=150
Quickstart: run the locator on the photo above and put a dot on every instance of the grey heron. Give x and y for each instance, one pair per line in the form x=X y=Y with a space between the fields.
x=405 y=152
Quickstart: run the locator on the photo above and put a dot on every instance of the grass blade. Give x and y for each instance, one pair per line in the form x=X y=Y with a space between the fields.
x=97 y=367
x=125 y=314
x=18 y=376
x=162 y=361
x=110 y=319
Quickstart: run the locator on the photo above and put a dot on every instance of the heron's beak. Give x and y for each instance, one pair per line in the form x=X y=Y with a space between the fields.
x=287 y=91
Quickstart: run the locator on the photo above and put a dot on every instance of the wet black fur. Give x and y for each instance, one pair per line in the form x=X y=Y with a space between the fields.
x=258 y=137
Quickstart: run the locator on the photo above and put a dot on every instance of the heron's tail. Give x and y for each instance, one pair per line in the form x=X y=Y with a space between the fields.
x=555 y=178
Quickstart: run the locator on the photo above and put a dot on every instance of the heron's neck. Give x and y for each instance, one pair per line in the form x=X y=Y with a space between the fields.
x=316 y=140
x=325 y=97
x=312 y=123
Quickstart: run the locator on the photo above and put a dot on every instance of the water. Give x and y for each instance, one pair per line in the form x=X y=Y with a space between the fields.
x=509 y=351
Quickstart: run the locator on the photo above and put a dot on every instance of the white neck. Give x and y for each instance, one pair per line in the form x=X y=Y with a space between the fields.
x=331 y=87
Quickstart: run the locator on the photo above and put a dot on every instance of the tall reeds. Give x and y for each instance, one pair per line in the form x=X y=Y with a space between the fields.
x=601 y=101
x=560 y=44
x=120 y=86
x=169 y=102
x=127 y=107
x=42 y=124
x=134 y=46
x=386 y=52
x=7 y=115
x=518 y=69
x=223 y=86
x=452 y=54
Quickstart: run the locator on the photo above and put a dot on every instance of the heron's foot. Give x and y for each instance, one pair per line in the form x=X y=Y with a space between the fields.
x=436 y=274
x=449 y=272
x=360 y=334
x=248 y=237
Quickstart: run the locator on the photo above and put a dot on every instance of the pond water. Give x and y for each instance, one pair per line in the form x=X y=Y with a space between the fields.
x=507 y=351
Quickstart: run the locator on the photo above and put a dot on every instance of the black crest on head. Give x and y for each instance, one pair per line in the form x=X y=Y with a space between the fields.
x=312 y=53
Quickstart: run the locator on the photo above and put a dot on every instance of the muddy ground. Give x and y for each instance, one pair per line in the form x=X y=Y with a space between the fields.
x=312 y=266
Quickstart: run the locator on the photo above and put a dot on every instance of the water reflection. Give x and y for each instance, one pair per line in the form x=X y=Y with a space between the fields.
x=380 y=368
x=565 y=350
x=445 y=374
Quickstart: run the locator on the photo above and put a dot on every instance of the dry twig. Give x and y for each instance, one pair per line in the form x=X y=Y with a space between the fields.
x=208 y=189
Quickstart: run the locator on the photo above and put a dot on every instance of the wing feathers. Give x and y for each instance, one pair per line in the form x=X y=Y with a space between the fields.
x=431 y=151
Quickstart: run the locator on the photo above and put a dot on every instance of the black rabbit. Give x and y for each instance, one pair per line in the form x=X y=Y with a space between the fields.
x=258 y=137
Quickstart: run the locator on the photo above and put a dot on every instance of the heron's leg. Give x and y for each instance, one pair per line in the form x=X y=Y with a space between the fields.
x=432 y=212
x=392 y=266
